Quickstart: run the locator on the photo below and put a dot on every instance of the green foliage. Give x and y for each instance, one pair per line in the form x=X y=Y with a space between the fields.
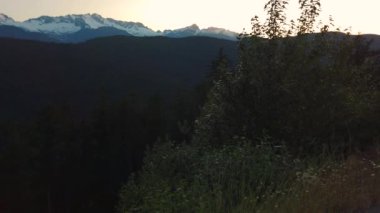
x=188 y=178
x=274 y=25
x=316 y=94
x=250 y=178
x=316 y=91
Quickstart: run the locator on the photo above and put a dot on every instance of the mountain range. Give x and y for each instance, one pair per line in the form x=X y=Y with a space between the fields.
x=79 y=28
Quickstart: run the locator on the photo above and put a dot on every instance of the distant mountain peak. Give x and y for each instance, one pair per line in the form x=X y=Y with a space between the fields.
x=3 y=16
x=223 y=33
x=193 y=27
x=5 y=19
x=194 y=30
x=68 y=24
x=94 y=15
x=62 y=27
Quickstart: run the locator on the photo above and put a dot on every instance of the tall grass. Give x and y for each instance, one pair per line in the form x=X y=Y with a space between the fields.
x=345 y=186
x=250 y=178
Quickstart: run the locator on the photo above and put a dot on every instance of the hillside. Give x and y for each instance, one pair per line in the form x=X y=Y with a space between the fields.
x=34 y=74
x=19 y=33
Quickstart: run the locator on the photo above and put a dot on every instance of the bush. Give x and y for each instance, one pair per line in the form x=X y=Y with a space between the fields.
x=188 y=178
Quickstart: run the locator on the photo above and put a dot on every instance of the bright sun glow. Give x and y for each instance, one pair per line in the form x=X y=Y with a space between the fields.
x=235 y=15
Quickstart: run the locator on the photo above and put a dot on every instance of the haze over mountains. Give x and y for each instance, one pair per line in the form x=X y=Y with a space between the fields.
x=79 y=28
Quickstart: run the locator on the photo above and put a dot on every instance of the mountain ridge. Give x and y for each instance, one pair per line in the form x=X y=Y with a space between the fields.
x=61 y=27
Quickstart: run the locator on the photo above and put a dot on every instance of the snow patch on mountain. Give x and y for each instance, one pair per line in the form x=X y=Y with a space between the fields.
x=58 y=28
x=194 y=30
x=64 y=25
x=6 y=20
x=219 y=32
x=133 y=28
x=74 y=23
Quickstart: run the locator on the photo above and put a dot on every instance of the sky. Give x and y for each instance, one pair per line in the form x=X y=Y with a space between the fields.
x=361 y=15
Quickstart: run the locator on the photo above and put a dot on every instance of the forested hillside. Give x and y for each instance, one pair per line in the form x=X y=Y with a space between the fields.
x=75 y=119
x=35 y=74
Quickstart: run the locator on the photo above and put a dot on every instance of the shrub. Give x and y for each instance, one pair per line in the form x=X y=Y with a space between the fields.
x=188 y=178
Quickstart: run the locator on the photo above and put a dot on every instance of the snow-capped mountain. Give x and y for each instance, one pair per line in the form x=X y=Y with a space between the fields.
x=219 y=33
x=6 y=20
x=63 y=28
x=194 y=30
x=74 y=23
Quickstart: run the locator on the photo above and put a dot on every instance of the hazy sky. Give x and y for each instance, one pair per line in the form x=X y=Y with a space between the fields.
x=362 y=15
